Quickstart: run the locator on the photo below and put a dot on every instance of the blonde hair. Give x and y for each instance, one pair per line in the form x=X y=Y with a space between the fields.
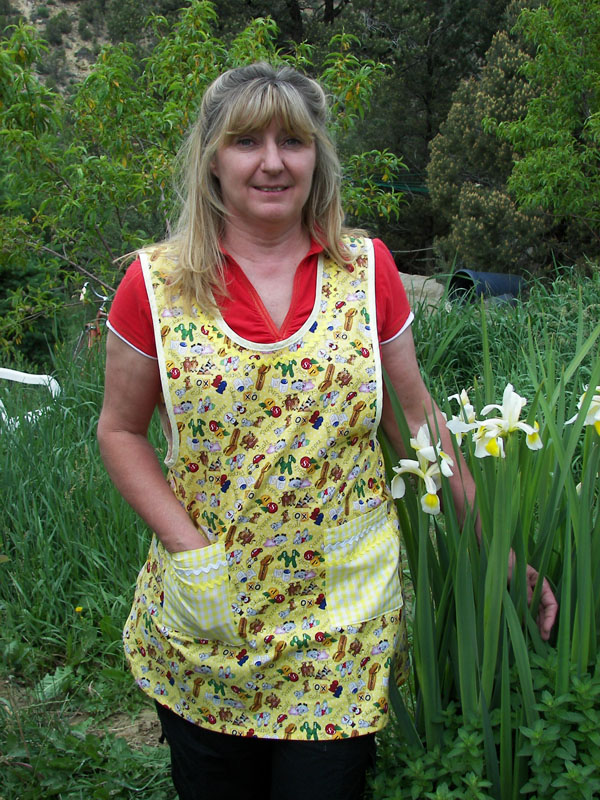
x=239 y=101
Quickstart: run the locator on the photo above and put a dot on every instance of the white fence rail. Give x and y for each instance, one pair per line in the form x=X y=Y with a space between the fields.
x=35 y=380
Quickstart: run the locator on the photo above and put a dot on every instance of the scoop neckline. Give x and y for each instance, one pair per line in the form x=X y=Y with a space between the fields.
x=278 y=344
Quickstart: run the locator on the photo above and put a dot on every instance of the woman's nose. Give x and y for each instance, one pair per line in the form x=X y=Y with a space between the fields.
x=271 y=161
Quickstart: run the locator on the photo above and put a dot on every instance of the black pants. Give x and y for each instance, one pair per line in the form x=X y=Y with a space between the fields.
x=207 y=765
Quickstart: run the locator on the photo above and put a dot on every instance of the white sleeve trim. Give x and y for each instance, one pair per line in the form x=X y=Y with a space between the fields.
x=123 y=339
x=372 y=310
x=407 y=324
x=167 y=415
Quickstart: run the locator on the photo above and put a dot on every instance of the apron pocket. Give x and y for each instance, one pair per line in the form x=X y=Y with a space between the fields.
x=196 y=601
x=362 y=560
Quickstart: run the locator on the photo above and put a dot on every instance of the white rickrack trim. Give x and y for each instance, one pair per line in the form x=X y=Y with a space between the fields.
x=376 y=521
x=329 y=548
x=200 y=570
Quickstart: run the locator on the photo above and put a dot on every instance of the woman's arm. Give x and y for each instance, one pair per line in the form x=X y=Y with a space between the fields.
x=400 y=362
x=131 y=393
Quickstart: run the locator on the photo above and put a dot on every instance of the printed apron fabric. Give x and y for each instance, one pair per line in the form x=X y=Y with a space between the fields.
x=287 y=624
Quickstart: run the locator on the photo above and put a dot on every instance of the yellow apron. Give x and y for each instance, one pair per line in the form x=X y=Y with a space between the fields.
x=286 y=625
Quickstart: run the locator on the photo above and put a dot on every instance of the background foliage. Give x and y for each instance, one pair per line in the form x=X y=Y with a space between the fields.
x=557 y=141
x=479 y=223
x=468 y=131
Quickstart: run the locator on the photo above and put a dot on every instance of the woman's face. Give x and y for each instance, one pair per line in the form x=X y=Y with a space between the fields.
x=265 y=177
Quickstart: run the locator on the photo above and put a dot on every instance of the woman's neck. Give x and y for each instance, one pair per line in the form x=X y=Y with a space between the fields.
x=261 y=250
x=270 y=264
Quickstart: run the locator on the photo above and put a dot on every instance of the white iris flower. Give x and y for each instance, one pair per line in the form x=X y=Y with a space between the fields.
x=489 y=434
x=593 y=415
x=508 y=421
x=462 y=423
x=430 y=465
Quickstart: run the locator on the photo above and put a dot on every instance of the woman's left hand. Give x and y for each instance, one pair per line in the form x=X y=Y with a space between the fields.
x=548 y=605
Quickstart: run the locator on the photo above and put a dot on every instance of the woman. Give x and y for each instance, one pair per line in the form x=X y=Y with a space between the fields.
x=269 y=613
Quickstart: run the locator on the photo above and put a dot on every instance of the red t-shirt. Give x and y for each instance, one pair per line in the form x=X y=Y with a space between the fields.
x=131 y=319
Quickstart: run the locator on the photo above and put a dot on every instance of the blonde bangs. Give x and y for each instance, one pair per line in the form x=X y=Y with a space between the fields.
x=256 y=111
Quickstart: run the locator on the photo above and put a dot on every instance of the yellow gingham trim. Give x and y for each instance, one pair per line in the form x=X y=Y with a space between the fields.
x=361 y=570
x=196 y=595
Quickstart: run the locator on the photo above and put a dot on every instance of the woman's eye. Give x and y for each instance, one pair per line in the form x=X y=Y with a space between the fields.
x=245 y=141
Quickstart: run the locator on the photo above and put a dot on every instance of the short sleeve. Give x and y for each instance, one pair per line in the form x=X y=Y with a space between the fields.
x=130 y=317
x=393 y=309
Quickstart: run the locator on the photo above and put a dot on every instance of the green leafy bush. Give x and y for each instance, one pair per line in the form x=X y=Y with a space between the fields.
x=124 y=19
x=561 y=750
x=479 y=223
x=57 y=26
x=42 y=12
x=490 y=233
x=84 y=30
x=557 y=142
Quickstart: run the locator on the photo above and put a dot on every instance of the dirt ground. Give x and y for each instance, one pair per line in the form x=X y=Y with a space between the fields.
x=142 y=729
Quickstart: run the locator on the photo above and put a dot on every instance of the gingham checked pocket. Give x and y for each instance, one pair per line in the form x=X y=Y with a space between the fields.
x=196 y=595
x=361 y=560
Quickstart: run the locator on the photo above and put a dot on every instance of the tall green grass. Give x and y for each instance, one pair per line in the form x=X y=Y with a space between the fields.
x=559 y=316
x=67 y=540
x=70 y=549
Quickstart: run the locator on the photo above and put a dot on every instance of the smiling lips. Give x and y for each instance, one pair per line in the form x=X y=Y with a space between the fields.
x=271 y=188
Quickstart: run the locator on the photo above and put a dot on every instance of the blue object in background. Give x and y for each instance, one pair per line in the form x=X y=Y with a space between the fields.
x=466 y=284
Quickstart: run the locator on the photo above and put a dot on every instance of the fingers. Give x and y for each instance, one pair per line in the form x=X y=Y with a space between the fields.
x=548 y=608
x=547 y=611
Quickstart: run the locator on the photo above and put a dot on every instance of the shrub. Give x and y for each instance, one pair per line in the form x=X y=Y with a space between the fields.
x=557 y=141
x=84 y=30
x=478 y=222
x=491 y=234
x=56 y=27
x=124 y=19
